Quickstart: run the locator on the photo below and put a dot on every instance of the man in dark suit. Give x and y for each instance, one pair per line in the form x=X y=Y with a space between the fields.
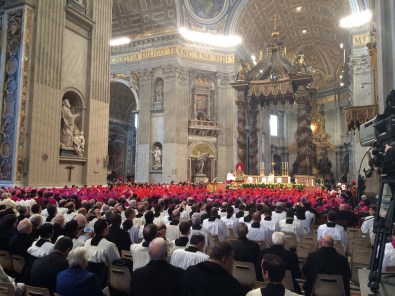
x=118 y=236
x=244 y=249
x=213 y=277
x=76 y=281
x=290 y=258
x=46 y=269
x=21 y=241
x=327 y=261
x=158 y=277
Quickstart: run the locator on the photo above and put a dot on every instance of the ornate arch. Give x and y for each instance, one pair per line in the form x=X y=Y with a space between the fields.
x=81 y=96
x=203 y=147
x=134 y=91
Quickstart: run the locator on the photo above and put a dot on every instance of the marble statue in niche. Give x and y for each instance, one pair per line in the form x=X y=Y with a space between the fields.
x=79 y=142
x=159 y=91
x=157 y=154
x=200 y=160
x=71 y=138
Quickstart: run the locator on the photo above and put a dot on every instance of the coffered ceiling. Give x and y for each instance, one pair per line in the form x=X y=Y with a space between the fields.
x=308 y=25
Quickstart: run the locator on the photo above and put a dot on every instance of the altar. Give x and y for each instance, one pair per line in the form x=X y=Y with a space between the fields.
x=271 y=179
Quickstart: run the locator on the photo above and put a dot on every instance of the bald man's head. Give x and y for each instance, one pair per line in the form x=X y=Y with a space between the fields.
x=157 y=249
x=175 y=215
x=327 y=241
x=256 y=217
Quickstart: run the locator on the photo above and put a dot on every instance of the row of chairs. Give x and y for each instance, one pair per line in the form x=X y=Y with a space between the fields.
x=118 y=276
x=11 y=263
x=7 y=289
x=244 y=272
x=324 y=284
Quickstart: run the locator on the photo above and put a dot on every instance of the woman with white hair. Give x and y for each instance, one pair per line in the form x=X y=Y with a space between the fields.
x=76 y=281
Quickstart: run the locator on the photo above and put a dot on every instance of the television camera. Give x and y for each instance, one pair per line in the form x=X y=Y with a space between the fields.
x=379 y=134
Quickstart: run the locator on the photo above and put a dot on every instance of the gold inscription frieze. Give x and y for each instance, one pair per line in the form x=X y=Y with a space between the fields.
x=326 y=100
x=360 y=39
x=174 y=51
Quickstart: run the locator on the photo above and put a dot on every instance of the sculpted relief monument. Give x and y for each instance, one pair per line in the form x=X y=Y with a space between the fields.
x=71 y=138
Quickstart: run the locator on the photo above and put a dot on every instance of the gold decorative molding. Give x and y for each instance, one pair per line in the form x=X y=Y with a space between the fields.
x=360 y=39
x=179 y=51
x=354 y=116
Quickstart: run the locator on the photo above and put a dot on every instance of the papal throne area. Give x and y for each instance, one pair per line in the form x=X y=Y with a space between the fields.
x=197 y=147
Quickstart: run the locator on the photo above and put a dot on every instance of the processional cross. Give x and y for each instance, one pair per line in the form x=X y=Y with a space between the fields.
x=70 y=167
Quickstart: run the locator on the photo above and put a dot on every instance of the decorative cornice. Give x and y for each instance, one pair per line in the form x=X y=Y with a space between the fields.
x=144 y=43
x=354 y=116
x=203 y=128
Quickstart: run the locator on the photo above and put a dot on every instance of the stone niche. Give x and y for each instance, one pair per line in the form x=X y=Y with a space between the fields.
x=72 y=141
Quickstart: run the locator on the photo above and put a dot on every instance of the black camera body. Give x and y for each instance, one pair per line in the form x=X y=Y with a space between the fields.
x=379 y=132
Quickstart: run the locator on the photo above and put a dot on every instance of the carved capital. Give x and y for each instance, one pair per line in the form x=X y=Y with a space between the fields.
x=240 y=103
x=175 y=72
x=302 y=98
x=146 y=76
x=360 y=64
x=224 y=79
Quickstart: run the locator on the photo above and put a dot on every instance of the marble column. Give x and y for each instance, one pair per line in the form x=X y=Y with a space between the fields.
x=16 y=31
x=143 y=141
x=227 y=137
x=362 y=93
x=175 y=164
x=305 y=153
x=241 y=124
x=253 y=136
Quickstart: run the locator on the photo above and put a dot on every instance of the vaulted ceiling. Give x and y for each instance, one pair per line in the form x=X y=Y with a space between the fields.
x=254 y=20
x=308 y=25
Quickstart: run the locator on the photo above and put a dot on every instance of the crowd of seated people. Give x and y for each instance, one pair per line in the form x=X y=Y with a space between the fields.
x=73 y=232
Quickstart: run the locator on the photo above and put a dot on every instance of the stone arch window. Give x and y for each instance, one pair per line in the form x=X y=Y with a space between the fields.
x=72 y=139
x=122 y=129
x=203 y=98
x=157 y=156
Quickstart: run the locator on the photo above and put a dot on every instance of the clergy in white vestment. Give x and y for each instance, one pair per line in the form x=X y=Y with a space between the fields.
x=334 y=230
x=389 y=253
x=191 y=255
x=278 y=213
x=99 y=248
x=267 y=220
x=197 y=228
x=289 y=224
x=43 y=245
x=367 y=225
x=258 y=232
x=140 y=251
x=216 y=226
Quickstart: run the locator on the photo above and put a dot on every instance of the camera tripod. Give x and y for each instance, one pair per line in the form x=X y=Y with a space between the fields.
x=382 y=227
